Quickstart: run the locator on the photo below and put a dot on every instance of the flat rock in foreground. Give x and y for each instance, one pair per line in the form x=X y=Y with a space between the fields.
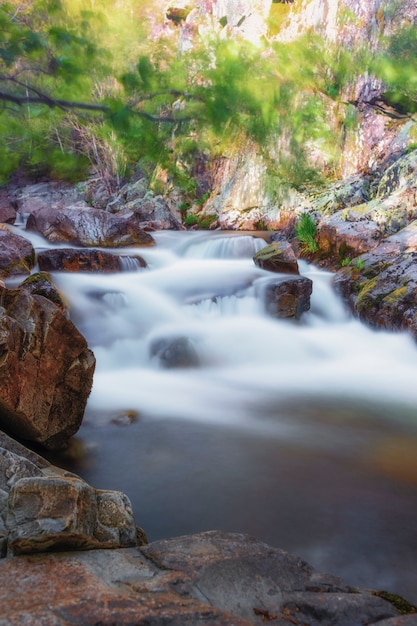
x=208 y=578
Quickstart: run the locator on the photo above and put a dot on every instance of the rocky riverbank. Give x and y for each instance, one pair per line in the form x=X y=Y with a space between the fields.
x=73 y=555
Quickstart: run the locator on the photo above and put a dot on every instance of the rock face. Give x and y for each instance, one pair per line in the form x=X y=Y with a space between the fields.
x=87 y=227
x=70 y=260
x=16 y=254
x=277 y=257
x=382 y=288
x=45 y=508
x=46 y=369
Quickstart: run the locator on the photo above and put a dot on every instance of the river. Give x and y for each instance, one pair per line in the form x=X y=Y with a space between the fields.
x=303 y=434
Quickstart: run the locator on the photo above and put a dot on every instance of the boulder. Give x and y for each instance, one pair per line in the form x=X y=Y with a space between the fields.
x=17 y=255
x=71 y=260
x=43 y=507
x=287 y=297
x=63 y=512
x=87 y=227
x=277 y=257
x=46 y=369
x=35 y=196
x=40 y=284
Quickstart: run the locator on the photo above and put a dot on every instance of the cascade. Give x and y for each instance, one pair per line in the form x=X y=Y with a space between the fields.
x=302 y=433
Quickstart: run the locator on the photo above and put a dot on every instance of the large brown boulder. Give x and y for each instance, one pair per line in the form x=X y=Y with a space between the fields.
x=46 y=369
x=287 y=296
x=71 y=260
x=87 y=227
x=17 y=255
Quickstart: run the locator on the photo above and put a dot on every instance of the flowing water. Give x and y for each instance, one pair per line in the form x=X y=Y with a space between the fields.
x=303 y=434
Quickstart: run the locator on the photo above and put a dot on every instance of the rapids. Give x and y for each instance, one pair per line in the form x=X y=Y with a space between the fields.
x=302 y=433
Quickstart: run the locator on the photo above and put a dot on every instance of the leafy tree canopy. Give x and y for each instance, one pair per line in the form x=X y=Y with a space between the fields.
x=83 y=86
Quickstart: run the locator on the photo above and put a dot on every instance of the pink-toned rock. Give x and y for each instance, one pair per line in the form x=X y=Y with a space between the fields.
x=46 y=369
x=16 y=254
x=87 y=227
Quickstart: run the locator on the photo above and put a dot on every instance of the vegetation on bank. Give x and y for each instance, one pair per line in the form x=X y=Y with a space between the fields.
x=82 y=88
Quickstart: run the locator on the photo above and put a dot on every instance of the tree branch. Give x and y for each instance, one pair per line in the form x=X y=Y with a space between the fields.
x=84 y=106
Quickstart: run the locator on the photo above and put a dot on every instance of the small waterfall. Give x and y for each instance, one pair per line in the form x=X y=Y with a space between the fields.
x=129 y=263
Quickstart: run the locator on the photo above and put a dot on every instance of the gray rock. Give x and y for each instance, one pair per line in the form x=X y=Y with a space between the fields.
x=87 y=227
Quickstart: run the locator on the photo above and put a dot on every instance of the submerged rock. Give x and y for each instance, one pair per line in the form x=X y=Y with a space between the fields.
x=172 y=352
x=46 y=369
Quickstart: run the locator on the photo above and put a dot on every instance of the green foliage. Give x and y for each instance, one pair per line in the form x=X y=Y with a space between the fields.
x=305 y=231
x=84 y=88
x=396 y=66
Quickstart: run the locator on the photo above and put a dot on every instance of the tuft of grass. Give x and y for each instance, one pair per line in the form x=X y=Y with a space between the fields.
x=305 y=231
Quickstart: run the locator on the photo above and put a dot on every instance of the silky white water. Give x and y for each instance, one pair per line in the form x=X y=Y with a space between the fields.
x=303 y=433
x=204 y=288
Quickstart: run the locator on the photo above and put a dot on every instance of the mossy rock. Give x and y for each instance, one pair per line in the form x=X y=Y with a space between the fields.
x=277 y=257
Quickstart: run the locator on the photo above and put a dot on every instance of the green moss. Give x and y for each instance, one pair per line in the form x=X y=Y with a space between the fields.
x=403 y=606
x=396 y=295
x=38 y=277
x=366 y=288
